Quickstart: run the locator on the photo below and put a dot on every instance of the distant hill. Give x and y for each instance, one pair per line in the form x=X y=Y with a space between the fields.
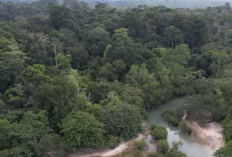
x=10 y=0
x=167 y=3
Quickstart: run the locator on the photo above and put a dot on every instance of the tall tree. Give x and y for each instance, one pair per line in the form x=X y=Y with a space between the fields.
x=81 y=129
x=11 y=62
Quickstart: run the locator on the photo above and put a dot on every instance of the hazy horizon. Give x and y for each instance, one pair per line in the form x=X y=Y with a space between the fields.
x=167 y=3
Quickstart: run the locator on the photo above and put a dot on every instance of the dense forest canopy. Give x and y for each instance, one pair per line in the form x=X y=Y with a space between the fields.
x=75 y=77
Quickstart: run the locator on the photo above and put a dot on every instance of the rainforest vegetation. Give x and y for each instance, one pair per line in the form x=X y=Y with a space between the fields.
x=74 y=77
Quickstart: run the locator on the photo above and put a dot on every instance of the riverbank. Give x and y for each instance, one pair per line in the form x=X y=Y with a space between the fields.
x=111 y=152
x=211 y=134
x=124 y=148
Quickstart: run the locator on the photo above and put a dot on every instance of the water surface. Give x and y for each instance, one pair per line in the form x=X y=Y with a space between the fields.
x=192 y=145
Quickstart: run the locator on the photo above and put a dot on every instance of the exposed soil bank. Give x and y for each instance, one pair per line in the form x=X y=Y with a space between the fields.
x=211 y=133
x=110 y=152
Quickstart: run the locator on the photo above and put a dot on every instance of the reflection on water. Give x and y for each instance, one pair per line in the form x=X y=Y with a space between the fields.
x=151 y=143
x=192 y=145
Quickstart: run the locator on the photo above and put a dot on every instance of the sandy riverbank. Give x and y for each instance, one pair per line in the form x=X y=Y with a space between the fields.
x=211 y=133
x=110 y=152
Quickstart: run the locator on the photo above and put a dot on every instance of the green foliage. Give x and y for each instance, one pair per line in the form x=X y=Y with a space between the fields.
x=154 y=154
x=138 y=153
x=185 y=127
x=121 y=120
x=36 y=74
x=173 y=151
x=227 y=128
x=170 y=117
x=15 y=96
x=162 y=146
x=60 y=97
x=213 y=62
x=21 y=139
x=140 y=145
x=153 y=126
x=172 y=36
x=98 y=38
x=63 y=62
x=81 y=129
x=38 y=121
x=159 y=133
x=61 y=17
x=224 y=151
x=111 y=141
x=11 y=62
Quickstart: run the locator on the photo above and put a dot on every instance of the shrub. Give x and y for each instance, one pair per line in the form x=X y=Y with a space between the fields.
x=162 y=146
x=159 y=133
x=185 y=127
x=138 y=153
x=170 y=117
x=140 y=144
x=154 y=154
x=153 y=126
x=112 y=141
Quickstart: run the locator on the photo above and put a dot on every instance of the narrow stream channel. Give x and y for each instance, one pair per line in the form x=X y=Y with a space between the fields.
x=192 y=145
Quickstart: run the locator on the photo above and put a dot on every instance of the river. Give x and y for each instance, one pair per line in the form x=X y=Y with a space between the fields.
x=192 y=145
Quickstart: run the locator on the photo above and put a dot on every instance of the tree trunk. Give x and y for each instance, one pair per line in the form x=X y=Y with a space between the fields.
x=55 y=51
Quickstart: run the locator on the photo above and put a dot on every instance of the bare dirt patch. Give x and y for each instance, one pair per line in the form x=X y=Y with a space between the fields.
x=211 y=133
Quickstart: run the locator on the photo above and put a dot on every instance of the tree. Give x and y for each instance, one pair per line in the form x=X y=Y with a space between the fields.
x=81 y=129
x=2 y=105
x=195 y=30
x=172 y=36
x=118 y=49
x=123 y=48
x=45 y=5
x=61 y=17
x=36 y=74
x=96 y=40
x=11 y=62
x=224 y=151
x=108 y=72
x=19 y=139
x=155 y=154
x=60 y=97
x=121 y=119
x=63 y=61
x=225 y=88
x=159 y=133
x=100 y=89
x=6 y=31
x=140 y=145
x=170 y=117
x=57 y=45
x=15 y=96
x=174 y=150
x=75 y=4
x=214 y=62
x=185 y=127
x=162 y=146
x=138 y=153
x=38 y=121
x=227 y=128
x=138 y=76
x=208 y=107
